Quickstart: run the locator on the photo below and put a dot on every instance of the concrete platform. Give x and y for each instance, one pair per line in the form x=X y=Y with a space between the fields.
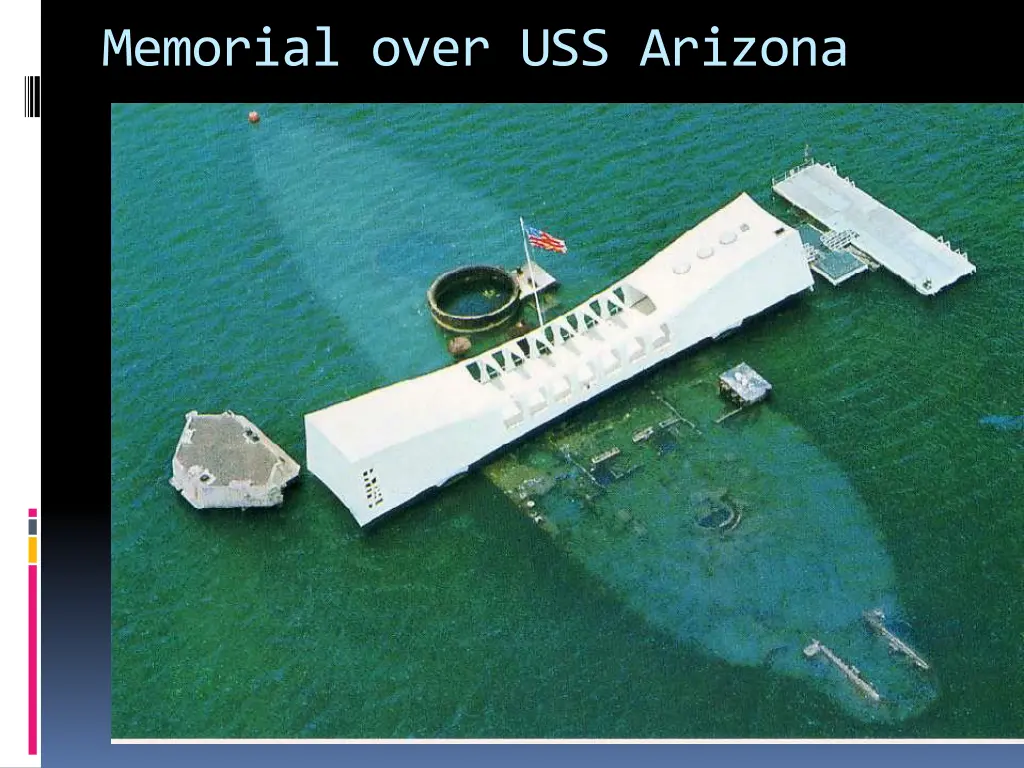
x=836 y=266
x=224 y=460
x=858 y=221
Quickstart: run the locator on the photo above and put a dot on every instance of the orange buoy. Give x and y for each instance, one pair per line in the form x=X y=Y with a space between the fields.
x=254 y=117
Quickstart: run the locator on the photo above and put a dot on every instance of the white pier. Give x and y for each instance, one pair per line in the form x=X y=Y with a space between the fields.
x=927 y=263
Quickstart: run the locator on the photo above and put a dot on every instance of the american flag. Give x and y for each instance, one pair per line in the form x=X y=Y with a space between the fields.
x=543 y=240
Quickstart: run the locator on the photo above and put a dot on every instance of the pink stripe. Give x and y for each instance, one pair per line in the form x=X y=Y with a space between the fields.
x=33 y=674
x=32 y=513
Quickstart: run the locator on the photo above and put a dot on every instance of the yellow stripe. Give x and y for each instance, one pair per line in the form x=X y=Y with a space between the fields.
x=32 y=549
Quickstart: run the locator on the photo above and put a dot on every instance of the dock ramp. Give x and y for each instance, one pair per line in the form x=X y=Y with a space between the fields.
x=857 y=221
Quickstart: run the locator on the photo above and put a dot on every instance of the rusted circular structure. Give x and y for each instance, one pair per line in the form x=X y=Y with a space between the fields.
x=492 y=289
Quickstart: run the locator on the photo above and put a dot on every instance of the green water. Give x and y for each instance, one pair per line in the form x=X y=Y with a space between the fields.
x=732 y=532
x=276 y=269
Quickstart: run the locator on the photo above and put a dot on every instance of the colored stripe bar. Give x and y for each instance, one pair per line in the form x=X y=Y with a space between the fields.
x=33 y=635
x=33 y=661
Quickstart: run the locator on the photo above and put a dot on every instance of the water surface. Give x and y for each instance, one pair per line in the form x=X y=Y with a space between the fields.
x=276 y=269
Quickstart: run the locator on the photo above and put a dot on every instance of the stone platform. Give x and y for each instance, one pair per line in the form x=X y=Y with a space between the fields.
x=224 y=460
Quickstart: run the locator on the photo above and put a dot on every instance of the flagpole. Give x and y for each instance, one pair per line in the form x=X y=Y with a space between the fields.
x=529 y=265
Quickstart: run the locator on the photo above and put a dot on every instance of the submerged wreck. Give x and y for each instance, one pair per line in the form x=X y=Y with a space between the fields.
x=742 y=540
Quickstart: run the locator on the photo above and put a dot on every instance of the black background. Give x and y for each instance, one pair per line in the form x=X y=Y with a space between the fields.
x=936 y=58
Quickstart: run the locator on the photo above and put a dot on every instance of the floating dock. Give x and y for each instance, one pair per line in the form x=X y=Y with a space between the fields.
x=858 y=222
x=876 y=620
x=850 y=672
x=224 y=460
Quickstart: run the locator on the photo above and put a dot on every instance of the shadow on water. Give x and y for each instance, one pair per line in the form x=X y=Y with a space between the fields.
x=370 y=232
x=740 y=539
